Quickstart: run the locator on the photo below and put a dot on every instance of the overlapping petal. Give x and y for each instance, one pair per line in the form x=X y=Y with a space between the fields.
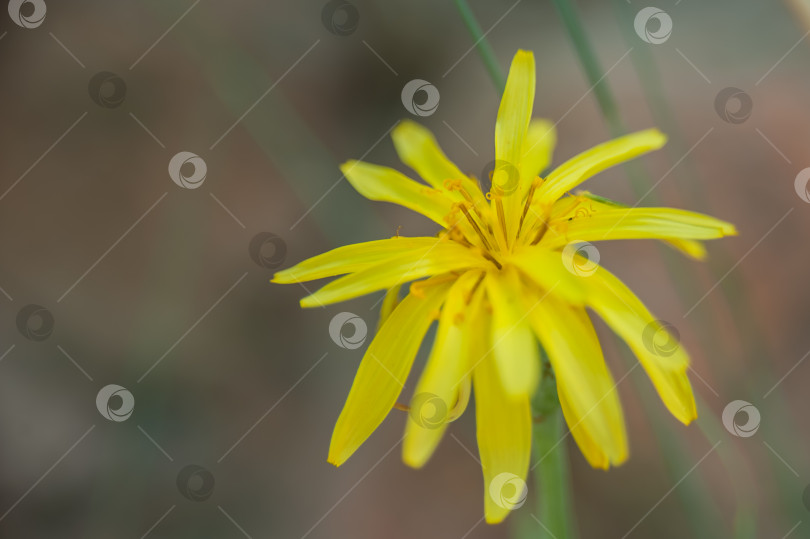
x=659 y=352
x=386 y=184
x=383 y=371
x=442 y=257
x=443 y=381
x=593 y=411
x=585 y=165
x=504 y=431
x=354 y=257
x=514 y=348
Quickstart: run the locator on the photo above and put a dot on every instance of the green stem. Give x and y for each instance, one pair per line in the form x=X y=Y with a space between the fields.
x=482 y=45
x=552 y=474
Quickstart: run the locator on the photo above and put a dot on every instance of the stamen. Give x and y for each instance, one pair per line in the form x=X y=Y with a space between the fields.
x=457 y=185
x=471 y=293
x=540 y=233
x=491 y=258
x=402 y=407
x=537 y=181
x=501 y=218
x=475 y=226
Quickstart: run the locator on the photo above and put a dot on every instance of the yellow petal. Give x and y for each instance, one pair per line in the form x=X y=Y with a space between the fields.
x=591 y=450
x=537 y=151
x=516 y=109
x=383 y=371
x=691 y=248
x=504 y=432
x=511 y=129
x=439 y=387
x=585 y=203
x=547 y=269
x=578 y=169
x=593 y=411
x=513 y=343
x=386 y=184
x=443 y=257
x=417 y=148
x=637 y=223
x=390 y=302
x=351 y=258
x=659 y=352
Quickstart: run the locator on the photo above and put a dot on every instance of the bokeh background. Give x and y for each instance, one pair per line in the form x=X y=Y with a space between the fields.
x=156 y=288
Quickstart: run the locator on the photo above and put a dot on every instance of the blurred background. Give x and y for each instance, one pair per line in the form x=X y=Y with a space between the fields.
x=153 y=383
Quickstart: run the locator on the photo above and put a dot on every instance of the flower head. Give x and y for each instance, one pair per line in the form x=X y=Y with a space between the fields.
x=510 y=267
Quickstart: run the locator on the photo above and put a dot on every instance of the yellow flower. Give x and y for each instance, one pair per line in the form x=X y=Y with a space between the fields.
x=506 y=270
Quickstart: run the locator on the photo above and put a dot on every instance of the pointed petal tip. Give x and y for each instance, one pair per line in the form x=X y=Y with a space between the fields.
x=337 y=458
x=412 y=460
x=688 y=417
x=346 y=166
x=495 y=515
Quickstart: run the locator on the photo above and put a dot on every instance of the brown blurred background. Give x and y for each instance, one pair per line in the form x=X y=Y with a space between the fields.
x=156 y=288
